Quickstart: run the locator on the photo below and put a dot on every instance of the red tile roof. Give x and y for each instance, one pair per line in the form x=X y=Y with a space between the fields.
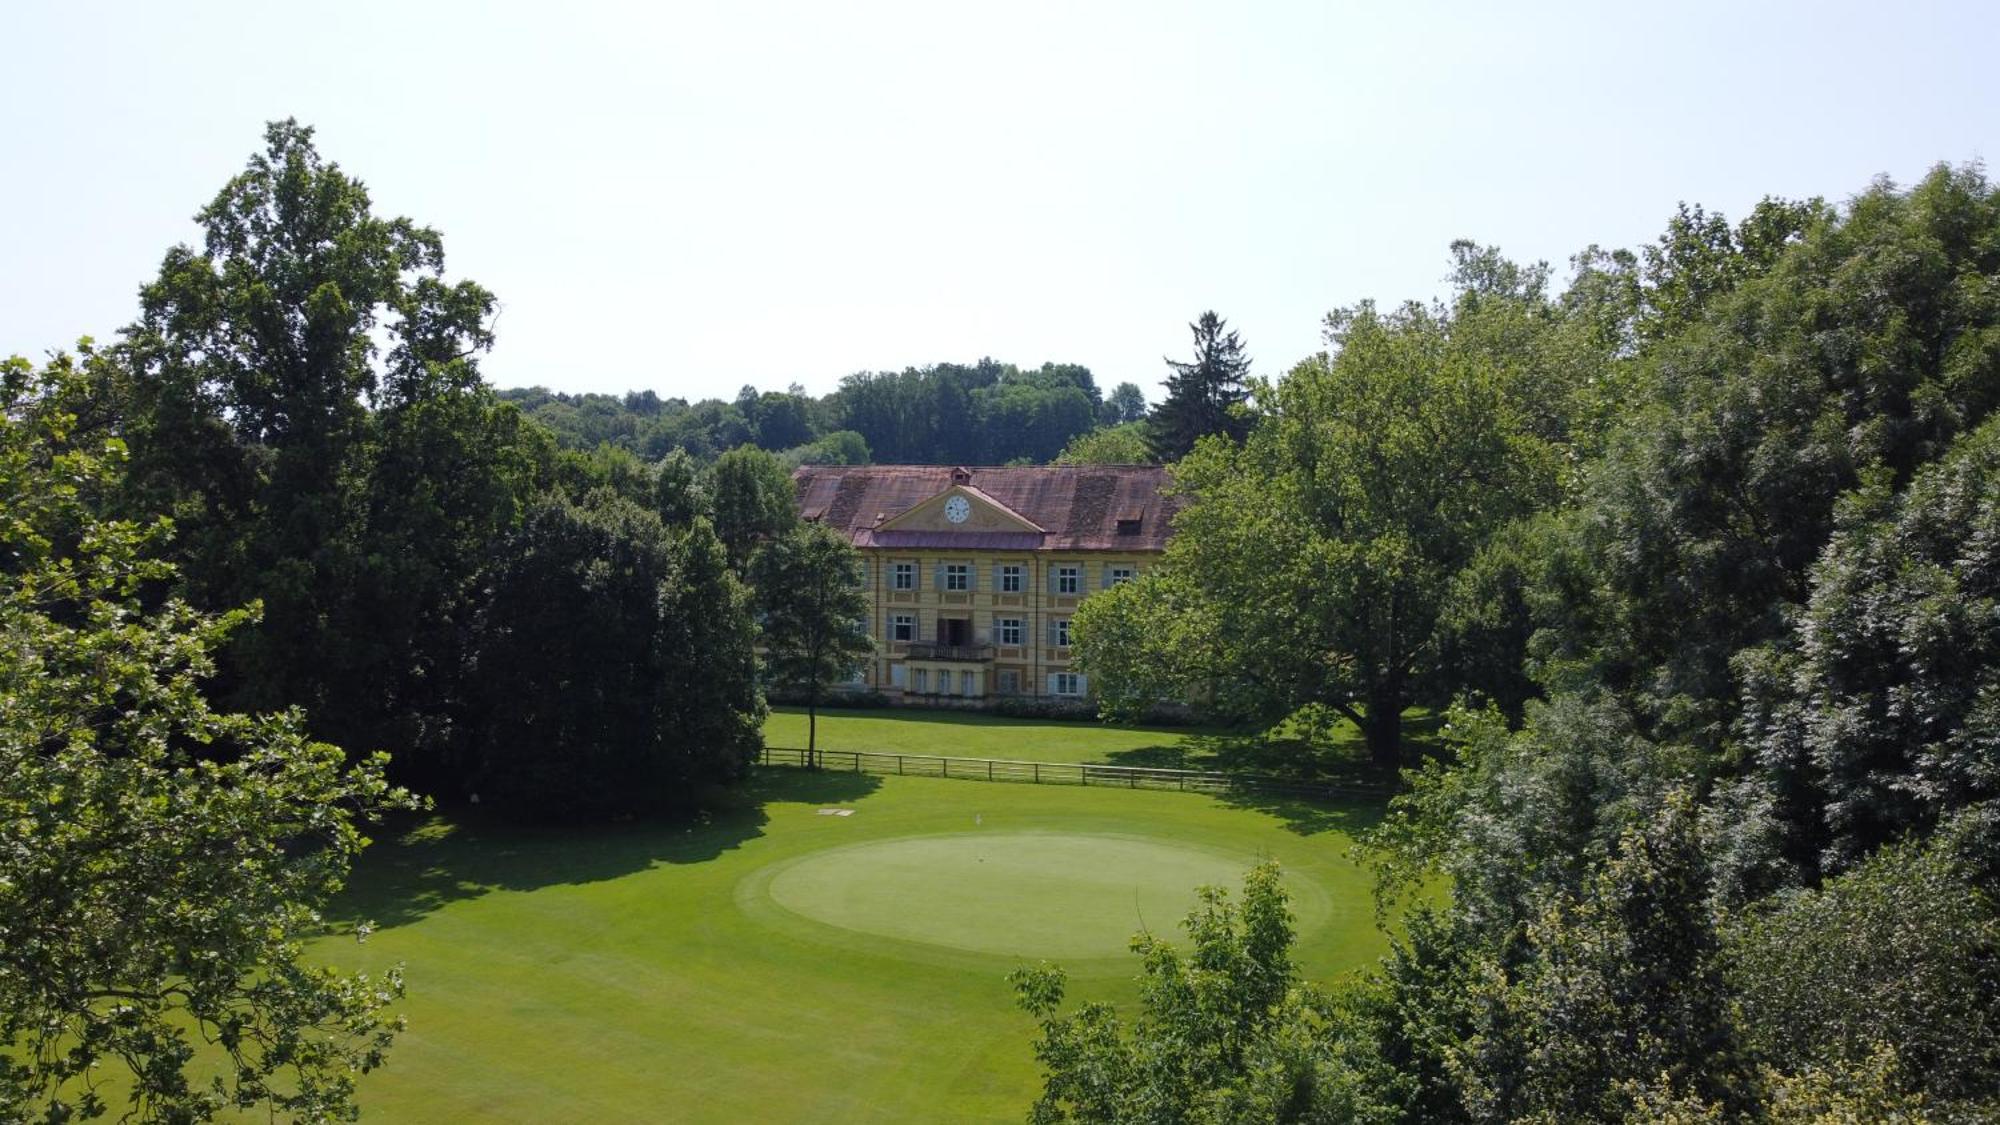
x=1082 y=507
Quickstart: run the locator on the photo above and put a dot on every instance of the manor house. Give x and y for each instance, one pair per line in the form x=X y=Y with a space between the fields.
x=973 y=573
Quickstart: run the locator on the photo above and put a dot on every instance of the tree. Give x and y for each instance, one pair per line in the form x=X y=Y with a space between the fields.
x=1859 y=343
x=616 y=666
x=1316 y=559
x=304 y=400
x=1913 y=940
x=1623 y=988
x=1226 y=1032
x=1205 y=396
x=1123 y=444
x=1883 y=716
x=751 y=495
x=678 y=493
x=814 y=615
x=1126 y=403
x=161 y=862
x=841 y=447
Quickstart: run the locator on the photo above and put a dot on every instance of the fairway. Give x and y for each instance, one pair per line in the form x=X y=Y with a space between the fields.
x=780 y=962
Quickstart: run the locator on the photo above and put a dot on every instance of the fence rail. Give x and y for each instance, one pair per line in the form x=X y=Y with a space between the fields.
x=1059 y=773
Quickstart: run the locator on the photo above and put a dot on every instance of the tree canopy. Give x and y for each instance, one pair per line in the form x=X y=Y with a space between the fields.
x=161 y=861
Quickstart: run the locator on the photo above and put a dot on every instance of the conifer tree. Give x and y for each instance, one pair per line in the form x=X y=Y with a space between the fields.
x=1202 y=396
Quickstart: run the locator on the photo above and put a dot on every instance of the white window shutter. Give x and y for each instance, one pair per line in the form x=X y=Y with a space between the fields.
x=972 y=576
x=1104 y=581
x=996 y=578
x=937 y=576
x=1052 y=683
x=1082 y=684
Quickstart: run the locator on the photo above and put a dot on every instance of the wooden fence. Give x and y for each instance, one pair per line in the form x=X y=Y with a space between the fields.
x=1060 y=773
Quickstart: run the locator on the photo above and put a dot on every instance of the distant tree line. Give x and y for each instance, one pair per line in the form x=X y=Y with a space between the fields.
x=987 y=413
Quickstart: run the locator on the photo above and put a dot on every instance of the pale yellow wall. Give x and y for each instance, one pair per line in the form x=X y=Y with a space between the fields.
x=1034 y=659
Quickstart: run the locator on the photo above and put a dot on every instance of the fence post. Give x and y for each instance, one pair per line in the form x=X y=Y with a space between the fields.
x=1038 y=773
x=899 y=765
x=989 y=769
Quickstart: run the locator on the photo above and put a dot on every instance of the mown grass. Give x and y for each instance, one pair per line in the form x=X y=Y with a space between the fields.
x=647 y=972
x=1335 y=753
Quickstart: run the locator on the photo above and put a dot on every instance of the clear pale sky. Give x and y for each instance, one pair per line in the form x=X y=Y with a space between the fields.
x=688 y=198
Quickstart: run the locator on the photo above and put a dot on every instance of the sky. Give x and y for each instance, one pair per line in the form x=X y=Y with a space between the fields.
x=689 y=198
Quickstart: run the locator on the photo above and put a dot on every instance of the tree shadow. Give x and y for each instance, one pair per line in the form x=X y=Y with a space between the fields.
x=1335 y=757
x=1310 y=816
x=421 y=863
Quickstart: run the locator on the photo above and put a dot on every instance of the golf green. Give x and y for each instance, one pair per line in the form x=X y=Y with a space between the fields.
x=820 y=947
x=1012 y=894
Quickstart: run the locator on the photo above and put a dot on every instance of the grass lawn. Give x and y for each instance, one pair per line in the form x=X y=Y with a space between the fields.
x=1337 y=755
x=775 y=963
x=973 y=734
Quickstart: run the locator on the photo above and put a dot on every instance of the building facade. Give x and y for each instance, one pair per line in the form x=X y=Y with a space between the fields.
x=974 y=574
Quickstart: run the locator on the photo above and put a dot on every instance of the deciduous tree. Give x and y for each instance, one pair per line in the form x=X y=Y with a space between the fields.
x=813 y=616
x=161 y=862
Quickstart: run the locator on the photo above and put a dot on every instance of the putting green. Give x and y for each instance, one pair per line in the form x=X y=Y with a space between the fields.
x=1010 y=894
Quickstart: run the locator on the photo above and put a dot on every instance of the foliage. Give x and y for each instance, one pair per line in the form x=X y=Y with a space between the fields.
x=1867 y=345
x=1885 y=716
x=160 y=861
x=1622 y=987
x=302 y=397
x=750 y=495
x=1226 y=1031
x=841 y=447
x=616 y=667
x=1914 y=944
x=1205 y=396
x=812 y=614
x=679 y=494
x=1312 y=564
x=1125 y=404
x=1122 y=444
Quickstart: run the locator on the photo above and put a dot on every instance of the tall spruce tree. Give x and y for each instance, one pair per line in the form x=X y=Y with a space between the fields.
x=1202 y=396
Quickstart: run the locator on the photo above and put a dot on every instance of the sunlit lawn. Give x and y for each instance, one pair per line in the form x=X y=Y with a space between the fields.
x=774 y=963
x=1336 y=754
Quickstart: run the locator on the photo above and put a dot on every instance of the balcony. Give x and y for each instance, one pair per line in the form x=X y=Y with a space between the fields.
x=964 y=654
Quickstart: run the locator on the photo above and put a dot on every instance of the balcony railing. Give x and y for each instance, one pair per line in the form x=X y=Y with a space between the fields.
x=971 y=654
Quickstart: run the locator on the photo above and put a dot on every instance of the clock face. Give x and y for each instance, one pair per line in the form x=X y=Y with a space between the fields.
x=957 y=509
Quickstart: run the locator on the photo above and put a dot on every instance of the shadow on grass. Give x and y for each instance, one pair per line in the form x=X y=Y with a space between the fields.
x=420 y=864
x=1337 y=757
x=1309 y=816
